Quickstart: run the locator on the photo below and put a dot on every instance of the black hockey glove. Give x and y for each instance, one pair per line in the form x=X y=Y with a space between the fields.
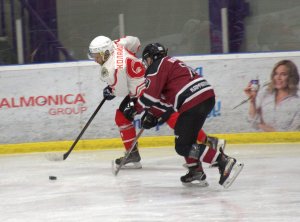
x=107 y=93
x=129 y=111
x=149 y=120
x=165 y=116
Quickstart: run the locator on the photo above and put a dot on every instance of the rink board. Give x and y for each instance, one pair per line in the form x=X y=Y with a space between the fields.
x=45 y=106
x=145 y=142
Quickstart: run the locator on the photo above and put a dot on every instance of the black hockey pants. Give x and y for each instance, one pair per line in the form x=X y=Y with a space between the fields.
x=189 y=123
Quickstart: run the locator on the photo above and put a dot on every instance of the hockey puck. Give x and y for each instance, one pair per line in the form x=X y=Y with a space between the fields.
x=52 y=177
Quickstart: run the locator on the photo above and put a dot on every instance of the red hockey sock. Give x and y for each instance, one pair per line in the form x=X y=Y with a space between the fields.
x=209 y=155
x=201 y=137
x=126 y=128
x=190 y=162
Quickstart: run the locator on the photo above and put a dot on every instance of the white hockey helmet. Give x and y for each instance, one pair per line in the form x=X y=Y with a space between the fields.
x=102 y=45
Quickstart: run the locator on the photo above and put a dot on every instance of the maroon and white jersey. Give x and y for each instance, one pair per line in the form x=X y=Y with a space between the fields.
x=172 y=84
x=123 y=72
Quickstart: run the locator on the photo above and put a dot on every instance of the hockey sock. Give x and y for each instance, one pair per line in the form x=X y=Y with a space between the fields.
x=203 y=153
x=191 y=162
x=202 y=137
x=209 y=155
x=126 y=128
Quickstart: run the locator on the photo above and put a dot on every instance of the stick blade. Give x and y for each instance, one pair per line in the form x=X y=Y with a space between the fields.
x=54 y=157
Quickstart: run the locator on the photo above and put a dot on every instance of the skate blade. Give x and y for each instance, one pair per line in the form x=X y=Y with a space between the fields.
x=135 y=165
x=202 y=183
x=237 y=168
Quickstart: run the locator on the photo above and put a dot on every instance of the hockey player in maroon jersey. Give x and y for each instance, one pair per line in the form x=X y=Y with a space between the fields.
x=172 y=86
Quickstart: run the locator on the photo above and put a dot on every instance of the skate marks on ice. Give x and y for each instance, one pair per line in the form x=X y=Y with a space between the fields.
x=85 y=189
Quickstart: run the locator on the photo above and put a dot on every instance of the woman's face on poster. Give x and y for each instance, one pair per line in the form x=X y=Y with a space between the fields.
x=280 y=78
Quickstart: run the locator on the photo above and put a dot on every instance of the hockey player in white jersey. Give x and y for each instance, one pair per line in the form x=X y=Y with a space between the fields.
x=124 y=75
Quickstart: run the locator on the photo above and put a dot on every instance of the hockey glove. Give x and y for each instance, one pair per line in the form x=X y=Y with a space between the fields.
x=129 y=111
x=165 y=116
x=149 y=120
x=107 y=93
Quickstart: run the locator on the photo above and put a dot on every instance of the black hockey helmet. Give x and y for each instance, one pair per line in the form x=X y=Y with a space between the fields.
x=154 y=51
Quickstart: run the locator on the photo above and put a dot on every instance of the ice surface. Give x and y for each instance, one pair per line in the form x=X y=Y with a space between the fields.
x=268 y=188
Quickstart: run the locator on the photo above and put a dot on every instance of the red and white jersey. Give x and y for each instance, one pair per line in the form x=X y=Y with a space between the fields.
x=123 y=72
x=173 y=85
x=131 y=43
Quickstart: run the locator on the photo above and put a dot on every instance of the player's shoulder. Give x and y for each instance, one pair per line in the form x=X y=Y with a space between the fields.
x=130 y=43
x=174 y=61
x=159 y=64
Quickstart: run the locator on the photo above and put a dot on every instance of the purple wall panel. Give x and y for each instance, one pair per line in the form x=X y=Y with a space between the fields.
x=237 y=11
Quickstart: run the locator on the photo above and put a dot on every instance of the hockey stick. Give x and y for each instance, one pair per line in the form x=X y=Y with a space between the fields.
x=118 y=167
x=59 y=157
x=241 y=103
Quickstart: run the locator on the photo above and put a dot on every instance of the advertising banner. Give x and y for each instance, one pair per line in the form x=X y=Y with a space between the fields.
x=52 y=102
x=230 y=75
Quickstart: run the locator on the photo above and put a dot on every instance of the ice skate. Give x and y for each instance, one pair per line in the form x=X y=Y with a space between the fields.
x=229 y=169
x=194 y=177
x=133 y=160
x=215 y=143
